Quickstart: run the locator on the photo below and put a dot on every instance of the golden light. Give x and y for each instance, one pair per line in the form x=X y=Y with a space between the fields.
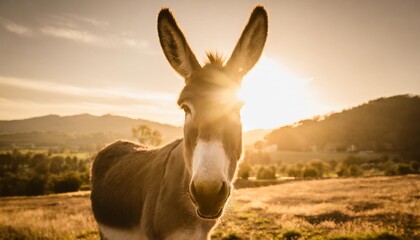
x=275 y=97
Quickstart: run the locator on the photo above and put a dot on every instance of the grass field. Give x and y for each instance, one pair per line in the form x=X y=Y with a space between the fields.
x=341 y=209
x=305 y=156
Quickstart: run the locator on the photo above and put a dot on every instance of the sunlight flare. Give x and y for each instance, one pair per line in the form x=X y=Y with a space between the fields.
x=274 y=96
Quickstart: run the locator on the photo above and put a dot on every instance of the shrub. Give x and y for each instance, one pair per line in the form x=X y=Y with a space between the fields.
x=320 y=167
x=404 y=169
x=13 y=185
x=390 y=168
x=310 y=172
x=415 y=165
x=266 y=173
x=69 y=182
x=292 y=235
x=355 y=171
x=36 y=186
x=244 y=170
x=294 y=172
x=352 y=171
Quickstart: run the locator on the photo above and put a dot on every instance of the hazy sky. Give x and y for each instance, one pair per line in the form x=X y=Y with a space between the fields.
x=70 y=57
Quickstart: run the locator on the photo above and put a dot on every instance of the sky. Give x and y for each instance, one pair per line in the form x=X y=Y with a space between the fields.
x=104 y=57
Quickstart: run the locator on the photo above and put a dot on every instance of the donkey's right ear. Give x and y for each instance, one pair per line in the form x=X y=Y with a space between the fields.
x=251 y=43
x=175 y=46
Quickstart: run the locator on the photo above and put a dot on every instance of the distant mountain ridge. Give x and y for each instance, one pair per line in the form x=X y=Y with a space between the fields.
x=51 y=130
x=384 y=124
x=81 y=123
x=86 y=129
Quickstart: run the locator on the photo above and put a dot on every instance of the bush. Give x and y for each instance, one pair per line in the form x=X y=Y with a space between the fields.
x=292 y=235
x=69 y=182
x=310 y=172
x=390 y=168
x=320 y=168
x=404 y=169
x=355 y=171
x=244 y=171
x=415 y=165
x=266 y=173
x=352 y=171
x=13 y=185
x=294 y=172
x=36 y=186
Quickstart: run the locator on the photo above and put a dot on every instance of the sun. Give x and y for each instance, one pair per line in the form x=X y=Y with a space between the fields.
x=274 y=96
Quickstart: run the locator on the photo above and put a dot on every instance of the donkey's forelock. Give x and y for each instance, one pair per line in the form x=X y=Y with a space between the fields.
x=215 y=58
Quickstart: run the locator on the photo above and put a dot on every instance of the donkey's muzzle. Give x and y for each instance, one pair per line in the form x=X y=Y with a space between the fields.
x=209 y=198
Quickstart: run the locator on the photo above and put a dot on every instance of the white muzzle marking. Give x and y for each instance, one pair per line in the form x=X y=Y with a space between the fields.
x=209 y=163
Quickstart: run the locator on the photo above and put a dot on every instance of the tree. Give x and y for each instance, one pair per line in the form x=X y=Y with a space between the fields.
x=68 y=182
x=404 y=168
x=146 y=135
x=294 y=171
x=320 y=167
x=266 y=173
x=244 y=170
x=36 y=186
x=310 y=172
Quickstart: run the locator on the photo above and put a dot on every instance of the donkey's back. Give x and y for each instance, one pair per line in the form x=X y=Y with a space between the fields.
x=122 y=175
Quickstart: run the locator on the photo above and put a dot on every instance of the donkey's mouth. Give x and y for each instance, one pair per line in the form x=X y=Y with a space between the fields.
x=209 y=209
x=210 y=216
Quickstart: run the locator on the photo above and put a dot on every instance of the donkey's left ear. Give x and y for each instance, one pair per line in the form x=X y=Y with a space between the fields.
x=175 y=46
x=251 y=44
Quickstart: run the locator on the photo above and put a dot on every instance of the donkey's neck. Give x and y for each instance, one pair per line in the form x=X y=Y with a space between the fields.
x=174 y=209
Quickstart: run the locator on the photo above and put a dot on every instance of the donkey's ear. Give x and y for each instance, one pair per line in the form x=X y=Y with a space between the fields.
x=175 y=45
x=250 y=46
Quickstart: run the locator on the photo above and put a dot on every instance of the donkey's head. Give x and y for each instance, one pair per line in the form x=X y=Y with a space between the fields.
x=212 y=129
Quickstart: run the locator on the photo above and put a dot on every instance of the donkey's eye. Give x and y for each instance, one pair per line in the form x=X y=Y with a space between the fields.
x=186 y=109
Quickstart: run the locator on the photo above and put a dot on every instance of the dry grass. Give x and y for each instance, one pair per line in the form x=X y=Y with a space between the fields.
x=361 y=208
x=59 y=216
x=320 y=209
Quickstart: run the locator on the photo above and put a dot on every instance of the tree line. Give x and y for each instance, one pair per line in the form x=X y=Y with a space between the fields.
x=25 y=174
x=261 y=166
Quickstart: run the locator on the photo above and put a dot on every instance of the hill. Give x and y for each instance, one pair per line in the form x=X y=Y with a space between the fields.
x=384 y=124
x=252 y=136
x=82 y=124
x=77 y=130
x=85 y=130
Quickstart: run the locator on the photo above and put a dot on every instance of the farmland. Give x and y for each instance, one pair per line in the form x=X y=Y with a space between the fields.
x=351 y=208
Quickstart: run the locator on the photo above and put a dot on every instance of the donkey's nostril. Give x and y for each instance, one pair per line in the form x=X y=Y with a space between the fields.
x=193 y=190
x=223 y=189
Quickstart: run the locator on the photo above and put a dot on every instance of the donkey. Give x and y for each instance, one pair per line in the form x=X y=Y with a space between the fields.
x=179 y=191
